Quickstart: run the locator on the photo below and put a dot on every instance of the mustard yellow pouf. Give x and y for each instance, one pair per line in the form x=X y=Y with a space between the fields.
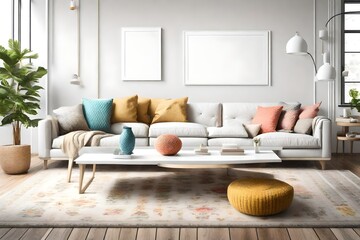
x=260 y=197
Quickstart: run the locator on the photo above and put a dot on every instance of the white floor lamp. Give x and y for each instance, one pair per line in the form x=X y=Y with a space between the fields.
x=298 y=46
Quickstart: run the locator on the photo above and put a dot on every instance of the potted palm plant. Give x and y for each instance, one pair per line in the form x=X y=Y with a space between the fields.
x=19 y=98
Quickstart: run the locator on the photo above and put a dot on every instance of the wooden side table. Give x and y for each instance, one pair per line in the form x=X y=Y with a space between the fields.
x=342 y=135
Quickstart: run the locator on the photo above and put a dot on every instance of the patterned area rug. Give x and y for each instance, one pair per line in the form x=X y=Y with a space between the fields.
x=152 y=196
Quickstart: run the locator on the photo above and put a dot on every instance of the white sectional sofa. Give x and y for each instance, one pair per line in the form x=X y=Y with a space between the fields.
x=211 y=124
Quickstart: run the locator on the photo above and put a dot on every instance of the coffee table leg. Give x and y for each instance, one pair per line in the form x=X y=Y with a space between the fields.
x=81 y=179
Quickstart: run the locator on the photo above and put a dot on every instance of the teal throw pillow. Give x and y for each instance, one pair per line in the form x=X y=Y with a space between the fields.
x=98 y=113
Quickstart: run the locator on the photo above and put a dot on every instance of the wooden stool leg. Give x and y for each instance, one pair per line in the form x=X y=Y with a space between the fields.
x=351 y=146
x=343 y=145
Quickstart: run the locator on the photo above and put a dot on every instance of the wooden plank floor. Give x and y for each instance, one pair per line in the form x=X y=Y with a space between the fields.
x=179 y=233
x=339 y=161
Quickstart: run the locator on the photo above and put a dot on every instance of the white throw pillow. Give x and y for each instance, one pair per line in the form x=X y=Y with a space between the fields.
x=252 y=129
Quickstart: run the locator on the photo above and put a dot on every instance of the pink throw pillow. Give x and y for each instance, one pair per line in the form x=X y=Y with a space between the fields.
x=309 y=111
x=268 y=117
x=288 y=120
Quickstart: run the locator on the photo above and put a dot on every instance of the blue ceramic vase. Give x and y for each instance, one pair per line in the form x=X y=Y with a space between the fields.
x=127 y=141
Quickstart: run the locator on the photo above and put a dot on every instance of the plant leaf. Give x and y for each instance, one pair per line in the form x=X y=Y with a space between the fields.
x=19 y=89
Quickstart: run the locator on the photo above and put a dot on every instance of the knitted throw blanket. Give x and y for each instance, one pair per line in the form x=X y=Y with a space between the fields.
x=75 y=140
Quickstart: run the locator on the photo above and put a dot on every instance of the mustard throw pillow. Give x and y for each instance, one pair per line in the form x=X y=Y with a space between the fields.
x=154 y=102
x=125 y=109
x=173 y=110
x=142 y=110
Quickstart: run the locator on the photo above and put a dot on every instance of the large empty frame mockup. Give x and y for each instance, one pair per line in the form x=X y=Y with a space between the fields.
x=141 y=54
x=227 y=58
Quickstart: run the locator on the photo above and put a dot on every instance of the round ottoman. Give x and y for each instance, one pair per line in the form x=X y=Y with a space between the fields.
x=260 y=197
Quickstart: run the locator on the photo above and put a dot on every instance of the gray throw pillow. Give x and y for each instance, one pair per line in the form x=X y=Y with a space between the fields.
x=303 y=126
x=290 y=106
x=71 y=119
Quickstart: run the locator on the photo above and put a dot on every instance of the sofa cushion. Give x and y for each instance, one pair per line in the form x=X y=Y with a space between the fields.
x=113 y=142
x=268 y=117
x=180 y=129
x=70 y=118
x=186 y=141
x=217 y=142
x=140 y=130
x=288 y=140
x=223 y=132
x=98 y=113
x=239 y=113
x=125 y=109
x=173 y=110
x=208 y=114
x=57 y=142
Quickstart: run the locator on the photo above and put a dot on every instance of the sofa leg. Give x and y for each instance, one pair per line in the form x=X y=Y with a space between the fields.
x=323 y=164
x=71 y=161
x=45 y=164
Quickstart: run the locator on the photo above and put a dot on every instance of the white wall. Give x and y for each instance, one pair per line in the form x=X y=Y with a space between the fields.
x=5 y=35
x=282 y=17
x=5 y=21
x=292 y=76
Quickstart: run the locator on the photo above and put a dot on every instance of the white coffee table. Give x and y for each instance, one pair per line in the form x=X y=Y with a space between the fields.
x=184 y=159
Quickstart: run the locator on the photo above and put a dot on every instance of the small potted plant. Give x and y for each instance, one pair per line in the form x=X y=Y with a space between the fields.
x=256 y=142
x=19 y=98
x=355 y=101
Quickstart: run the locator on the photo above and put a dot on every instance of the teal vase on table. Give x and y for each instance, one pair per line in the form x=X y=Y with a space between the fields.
x=127 y=141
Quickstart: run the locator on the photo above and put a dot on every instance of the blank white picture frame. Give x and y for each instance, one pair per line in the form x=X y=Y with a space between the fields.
x=227 y=58
x=141 y=54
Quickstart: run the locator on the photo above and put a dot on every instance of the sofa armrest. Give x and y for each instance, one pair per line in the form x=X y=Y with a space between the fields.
x=322 y=131
x=48 y=129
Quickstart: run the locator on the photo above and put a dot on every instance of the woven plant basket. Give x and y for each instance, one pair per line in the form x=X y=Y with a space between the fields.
x=15 y=159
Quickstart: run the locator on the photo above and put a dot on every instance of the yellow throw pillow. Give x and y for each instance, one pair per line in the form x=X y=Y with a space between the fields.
x=142 y=110
x=154 y=102
x=173 y=110
x=125 y=109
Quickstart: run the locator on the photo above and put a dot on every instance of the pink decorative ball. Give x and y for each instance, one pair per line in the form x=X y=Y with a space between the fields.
x=168 y=144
